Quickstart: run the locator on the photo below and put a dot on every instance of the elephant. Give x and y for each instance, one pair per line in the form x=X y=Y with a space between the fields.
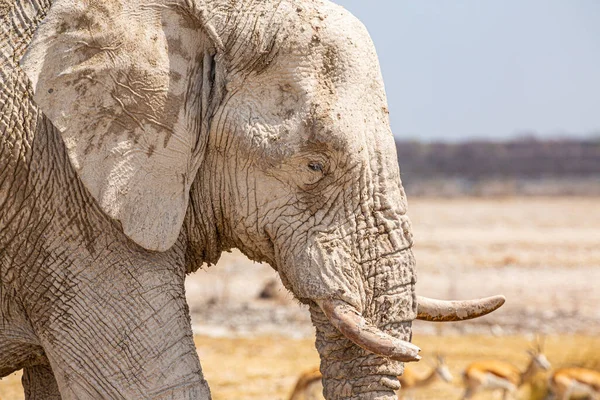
x=142 y=138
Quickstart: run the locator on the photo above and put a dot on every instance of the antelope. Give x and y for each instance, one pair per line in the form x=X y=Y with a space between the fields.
x=309 y=387
x=494 y=374
x=410 y=380
x=568 y=382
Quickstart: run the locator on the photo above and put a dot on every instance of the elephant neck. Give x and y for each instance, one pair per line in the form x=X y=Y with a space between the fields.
x=202 y=228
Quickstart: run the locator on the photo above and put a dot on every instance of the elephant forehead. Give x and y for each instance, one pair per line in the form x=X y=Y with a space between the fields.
x=332 y=45
x=311 y=44
x=322 y=84
x=338 y=72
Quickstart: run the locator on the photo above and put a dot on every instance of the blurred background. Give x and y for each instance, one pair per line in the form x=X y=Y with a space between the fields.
x=495 y=107
x=494 y=70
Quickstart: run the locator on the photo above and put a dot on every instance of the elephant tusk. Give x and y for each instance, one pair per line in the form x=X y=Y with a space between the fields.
x=357 y=329
x=446 y=311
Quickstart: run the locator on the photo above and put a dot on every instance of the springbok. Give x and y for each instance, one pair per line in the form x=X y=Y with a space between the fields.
x=568 y=382
x=309 y=387
x=494 y=374
x=411 y=380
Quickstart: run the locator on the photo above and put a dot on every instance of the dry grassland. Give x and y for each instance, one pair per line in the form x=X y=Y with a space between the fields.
x=265 y=368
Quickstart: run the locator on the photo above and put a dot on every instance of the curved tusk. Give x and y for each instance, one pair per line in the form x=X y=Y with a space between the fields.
x=445 y=311
x=357 y=329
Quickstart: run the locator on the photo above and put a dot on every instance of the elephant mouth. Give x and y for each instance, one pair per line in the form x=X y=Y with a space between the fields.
x=346 y=319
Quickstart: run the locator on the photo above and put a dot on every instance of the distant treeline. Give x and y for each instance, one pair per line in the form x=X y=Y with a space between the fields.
x=525 y=166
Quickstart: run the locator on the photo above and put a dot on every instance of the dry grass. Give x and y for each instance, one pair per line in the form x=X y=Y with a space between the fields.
x=266 y=368
x=10 y=387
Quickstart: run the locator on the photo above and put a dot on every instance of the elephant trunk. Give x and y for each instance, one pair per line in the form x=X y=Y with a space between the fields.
x=364 y=334
x=362 y=350
x=351 y=372
x=362 y=353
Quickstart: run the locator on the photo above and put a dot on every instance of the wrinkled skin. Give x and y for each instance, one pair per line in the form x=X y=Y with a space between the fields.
x=83 y=310
x=141 y=139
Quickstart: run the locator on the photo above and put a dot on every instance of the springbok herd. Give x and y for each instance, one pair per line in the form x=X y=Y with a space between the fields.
x=564 y=383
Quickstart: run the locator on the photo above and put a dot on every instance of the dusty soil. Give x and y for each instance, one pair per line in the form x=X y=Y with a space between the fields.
x=542 y=253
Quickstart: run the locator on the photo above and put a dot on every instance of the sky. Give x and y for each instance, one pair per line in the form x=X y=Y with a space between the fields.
x=492 y=69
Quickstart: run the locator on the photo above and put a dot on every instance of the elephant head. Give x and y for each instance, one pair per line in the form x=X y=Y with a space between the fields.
x=258 y=125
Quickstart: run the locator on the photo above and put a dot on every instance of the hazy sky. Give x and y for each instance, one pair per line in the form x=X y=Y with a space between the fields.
x=487 y=68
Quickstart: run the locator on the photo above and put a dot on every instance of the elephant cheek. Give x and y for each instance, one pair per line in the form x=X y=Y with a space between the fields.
x=320 y=273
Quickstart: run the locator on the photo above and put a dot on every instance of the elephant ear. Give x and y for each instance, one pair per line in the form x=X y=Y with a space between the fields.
x=122 y=82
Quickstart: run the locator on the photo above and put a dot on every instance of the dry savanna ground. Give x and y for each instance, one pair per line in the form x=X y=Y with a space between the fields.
x=265 y=368
x=542 y=253
x=270 y=365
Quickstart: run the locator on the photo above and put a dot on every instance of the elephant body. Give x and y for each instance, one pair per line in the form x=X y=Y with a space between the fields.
x=140 y=139
x=76 y=294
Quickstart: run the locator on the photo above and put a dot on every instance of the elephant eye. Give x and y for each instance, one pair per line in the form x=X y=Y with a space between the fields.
x=316 y=166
